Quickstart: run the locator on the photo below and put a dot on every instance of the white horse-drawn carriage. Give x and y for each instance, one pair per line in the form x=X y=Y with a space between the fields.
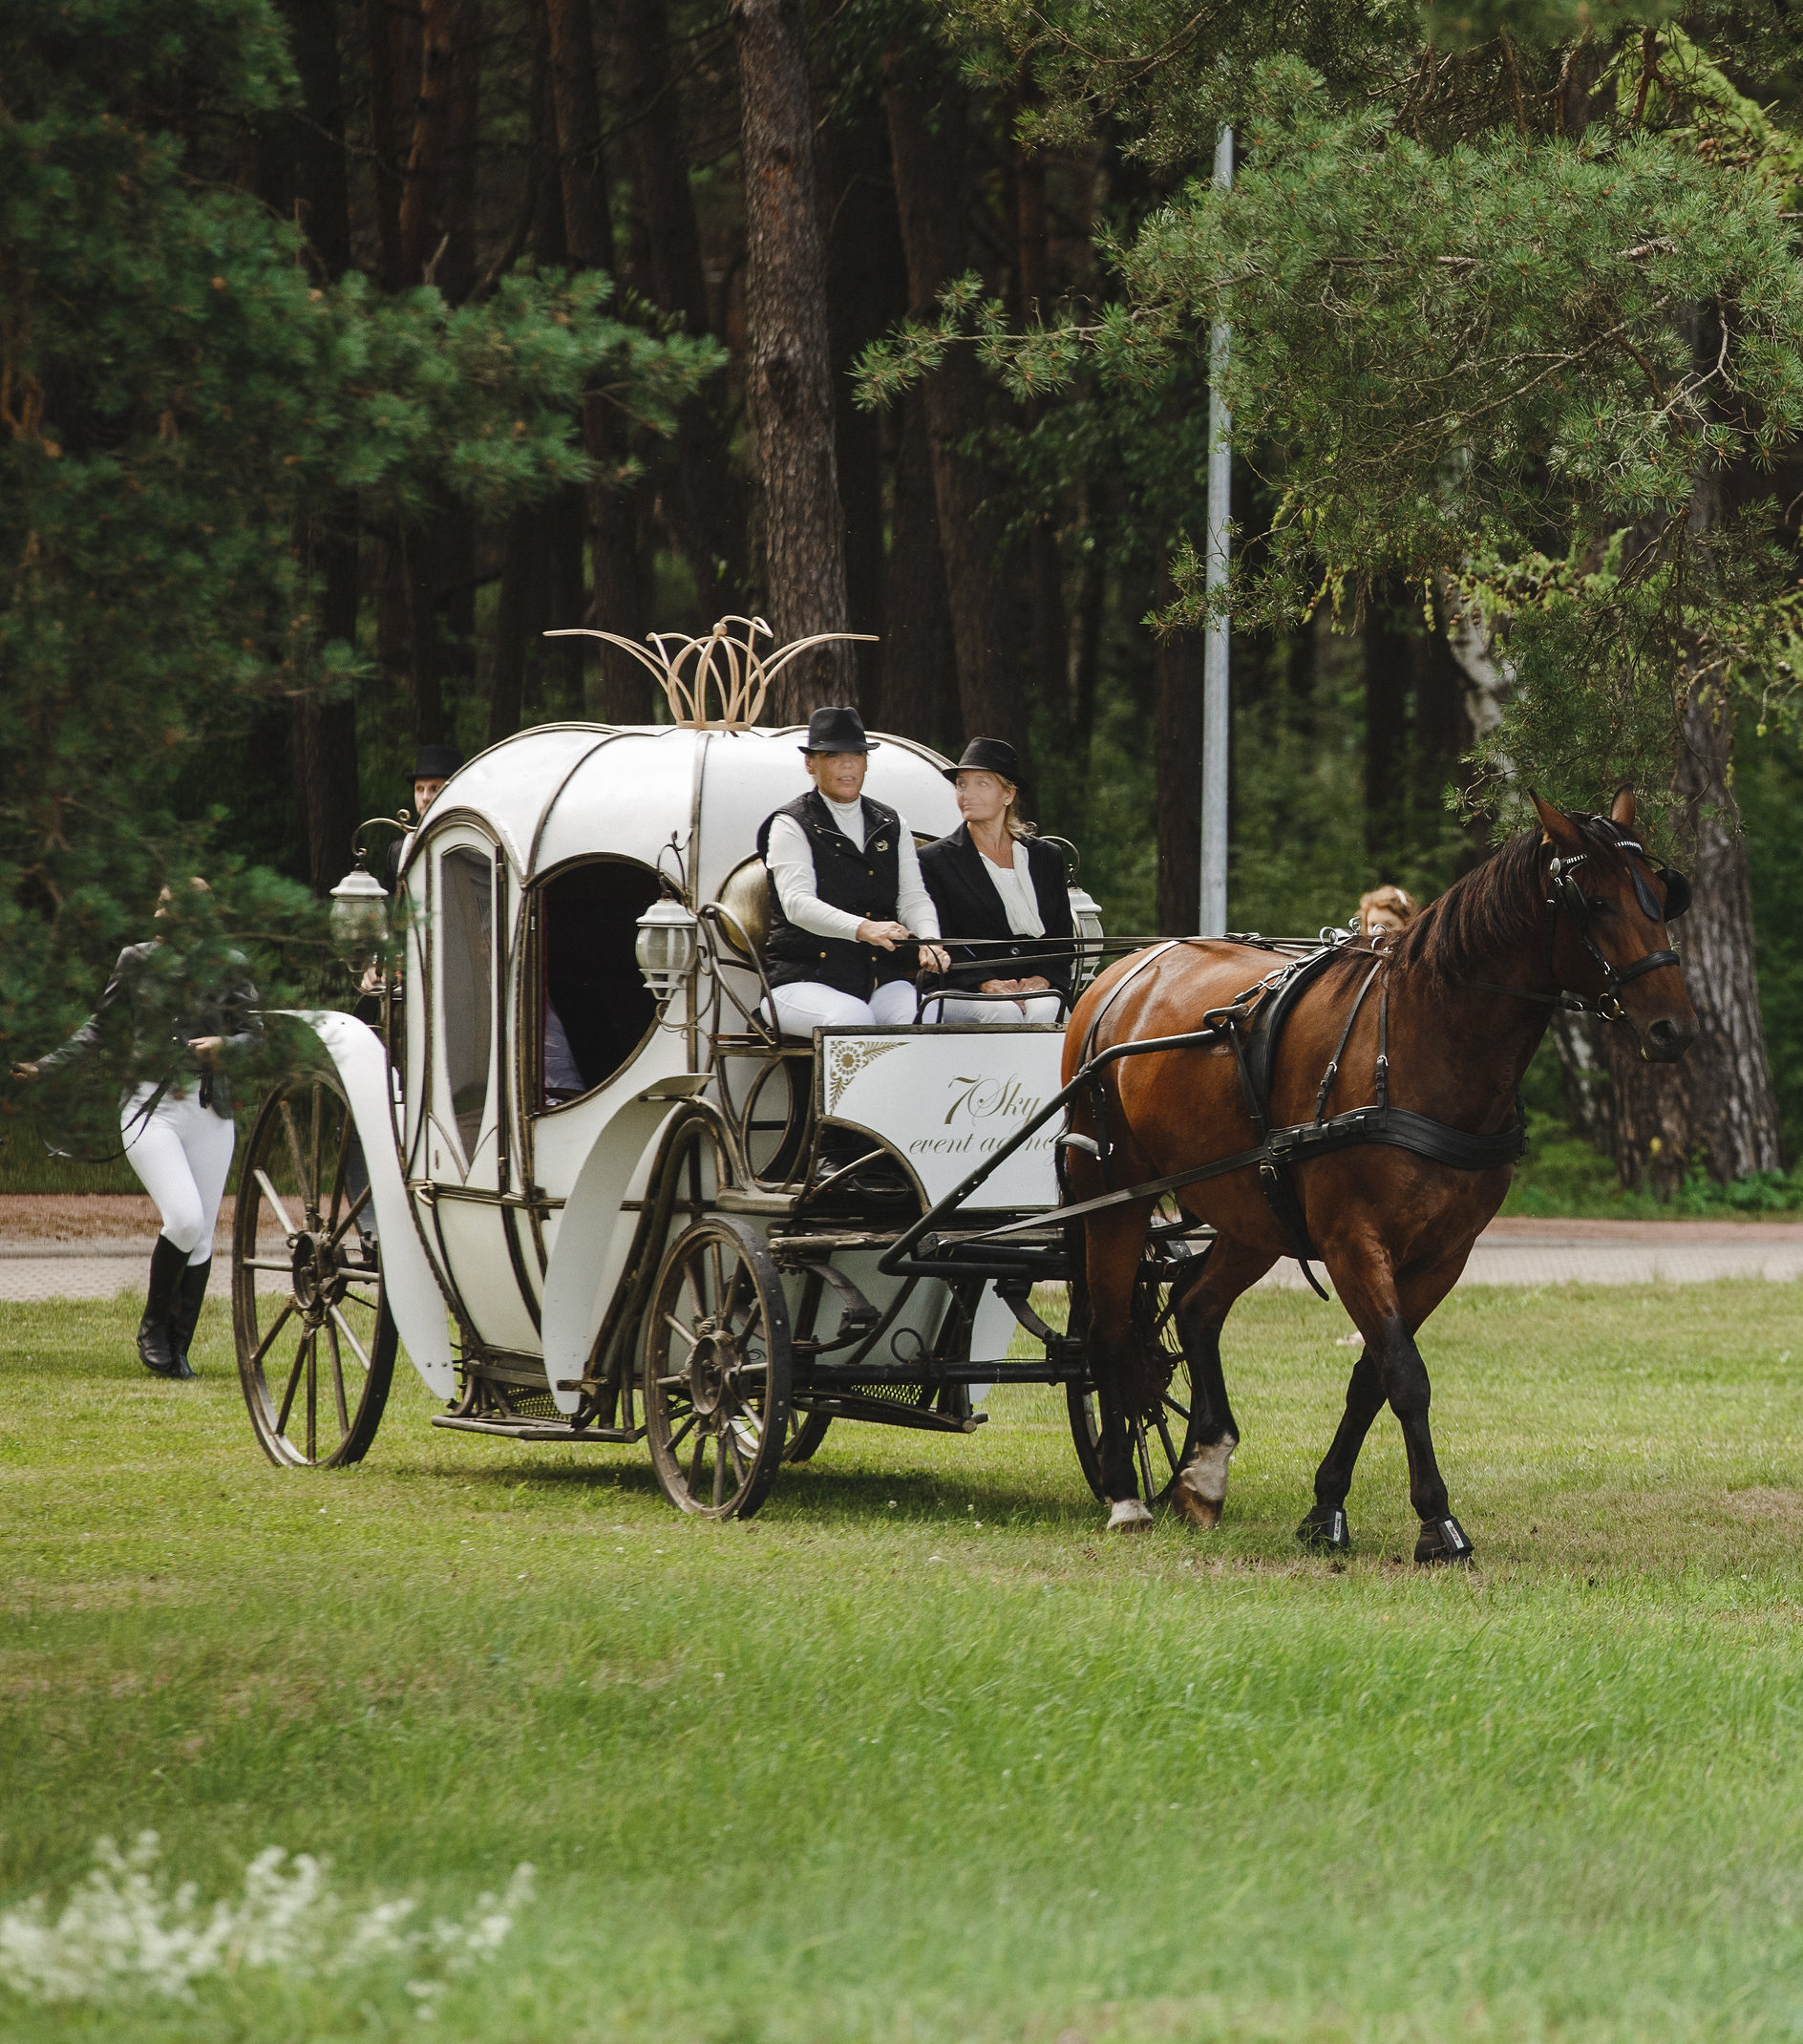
x=585 y=1192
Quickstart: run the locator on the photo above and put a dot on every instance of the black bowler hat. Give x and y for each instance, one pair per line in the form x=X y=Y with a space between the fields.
x=436 y=762
x=989 y=756
x=837 y=729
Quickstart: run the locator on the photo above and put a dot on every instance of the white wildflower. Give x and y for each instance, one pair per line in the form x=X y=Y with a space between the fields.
x=124 y=1932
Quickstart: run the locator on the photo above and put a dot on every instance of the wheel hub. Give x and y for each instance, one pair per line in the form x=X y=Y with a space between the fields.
x=712 y=1363
x=317 y=1283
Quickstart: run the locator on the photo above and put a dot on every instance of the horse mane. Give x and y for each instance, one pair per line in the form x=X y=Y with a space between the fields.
x=1486 y=913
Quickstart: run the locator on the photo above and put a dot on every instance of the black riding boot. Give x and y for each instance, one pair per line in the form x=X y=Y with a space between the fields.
x=190 y=1296
x=156 y=1332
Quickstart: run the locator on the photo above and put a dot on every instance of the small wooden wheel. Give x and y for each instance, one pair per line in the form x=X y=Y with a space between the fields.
x=716 y=1370
x=1160 y=1446
x=316 y=1355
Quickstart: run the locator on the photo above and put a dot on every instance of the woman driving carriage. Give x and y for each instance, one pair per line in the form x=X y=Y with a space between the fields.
x=1003 y=891
x=847 y=903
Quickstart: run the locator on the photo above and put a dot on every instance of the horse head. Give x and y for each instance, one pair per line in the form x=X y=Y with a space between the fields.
x=1608 y=902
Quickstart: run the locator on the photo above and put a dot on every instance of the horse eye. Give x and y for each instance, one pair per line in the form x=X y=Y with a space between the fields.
x=1598 y=903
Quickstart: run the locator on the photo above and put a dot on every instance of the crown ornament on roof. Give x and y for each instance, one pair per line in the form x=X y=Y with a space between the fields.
x=719 y=682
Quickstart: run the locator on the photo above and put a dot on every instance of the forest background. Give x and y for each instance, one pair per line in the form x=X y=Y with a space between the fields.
x=346 y=345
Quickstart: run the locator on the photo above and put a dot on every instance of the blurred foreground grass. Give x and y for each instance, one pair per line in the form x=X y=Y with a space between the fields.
x=917 y=1754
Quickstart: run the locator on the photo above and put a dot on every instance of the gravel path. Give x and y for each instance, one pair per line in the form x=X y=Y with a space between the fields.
x=96 y=1247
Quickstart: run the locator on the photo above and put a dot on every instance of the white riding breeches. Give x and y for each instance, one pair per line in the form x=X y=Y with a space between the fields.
x=182 y=1155
x=971 y=1008
x=804 y=1006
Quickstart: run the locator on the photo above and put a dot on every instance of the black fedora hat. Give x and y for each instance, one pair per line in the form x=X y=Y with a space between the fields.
x=989 y=756
x=436 y=762
x=837 y=729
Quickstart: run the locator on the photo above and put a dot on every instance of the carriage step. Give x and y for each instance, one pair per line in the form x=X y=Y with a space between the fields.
x=885 y=1412
x=754 y=1199
x=539 y=1430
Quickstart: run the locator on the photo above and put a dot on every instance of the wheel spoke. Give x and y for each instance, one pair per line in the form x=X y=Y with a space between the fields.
x=678 y=1328
x=719 y=1279
x=304 y=1192
x=294 y=1379
x=680 y=1434
x=268 y=1262
x=286 y=1314
x=338 y=1382
x=345 y=1133
x=274 y=1199
x=312 y=1397
x=357 y=1348
x=719 y=1468
x=319 y=1103
x=1164 y=1435
x=695 y=1467
x=357 y=1206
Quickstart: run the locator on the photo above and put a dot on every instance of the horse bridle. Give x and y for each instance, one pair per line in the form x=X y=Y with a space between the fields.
x=1565 y=891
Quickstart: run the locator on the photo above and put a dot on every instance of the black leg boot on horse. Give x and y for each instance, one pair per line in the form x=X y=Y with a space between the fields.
x=190 y=1297
x=156 y=1347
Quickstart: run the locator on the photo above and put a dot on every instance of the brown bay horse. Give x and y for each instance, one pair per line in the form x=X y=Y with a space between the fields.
x=1575 y=912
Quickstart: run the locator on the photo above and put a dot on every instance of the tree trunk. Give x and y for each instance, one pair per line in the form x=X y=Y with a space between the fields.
x=437 y=227
x=1716 y=1107
x=394 y=88
x=709 y=515
x=303 y=175
x=789 y=362
x=618 y=601
x=929 y=177
x=1048 y=636
x=919 y=660
x=866 y=293
x=1388 y=664
x=1178 y=747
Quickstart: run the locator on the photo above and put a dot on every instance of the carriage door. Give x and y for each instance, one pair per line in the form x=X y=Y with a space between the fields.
x=467 y=1136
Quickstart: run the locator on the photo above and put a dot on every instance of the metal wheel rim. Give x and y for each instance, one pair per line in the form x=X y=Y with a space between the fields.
x=315 y=1359
x=715 y=1373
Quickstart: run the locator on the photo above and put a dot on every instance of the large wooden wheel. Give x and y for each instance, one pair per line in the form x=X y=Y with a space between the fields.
x=316 y=1350
x=716 y=1370
x=1162 y=1445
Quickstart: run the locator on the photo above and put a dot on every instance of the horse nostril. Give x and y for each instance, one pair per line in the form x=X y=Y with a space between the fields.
x=1664 y=1034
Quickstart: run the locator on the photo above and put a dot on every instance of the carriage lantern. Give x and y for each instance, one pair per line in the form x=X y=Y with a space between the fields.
x=1087 y=919
x=668 y=946
x=359 y=917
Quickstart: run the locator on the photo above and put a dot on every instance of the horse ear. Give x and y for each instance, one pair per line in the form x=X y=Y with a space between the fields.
x=1623 y=809
x=1558 y=827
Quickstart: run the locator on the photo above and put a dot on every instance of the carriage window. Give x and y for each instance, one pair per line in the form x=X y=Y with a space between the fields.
x=595 y=1008
x=466 y=940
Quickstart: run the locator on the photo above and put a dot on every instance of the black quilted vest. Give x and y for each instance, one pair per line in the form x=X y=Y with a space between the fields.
x=864 y=884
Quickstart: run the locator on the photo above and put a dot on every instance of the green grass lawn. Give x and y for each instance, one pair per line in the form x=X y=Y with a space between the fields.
x=917 y=1755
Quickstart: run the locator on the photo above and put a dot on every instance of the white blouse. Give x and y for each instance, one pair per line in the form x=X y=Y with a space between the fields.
x=1016 y=885
x=790 y=857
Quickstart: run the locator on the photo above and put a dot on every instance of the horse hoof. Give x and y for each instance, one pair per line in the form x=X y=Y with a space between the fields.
x=1442 y=1539
x=1326 y=1531
x=1202 y=1490
x=1127 y=1515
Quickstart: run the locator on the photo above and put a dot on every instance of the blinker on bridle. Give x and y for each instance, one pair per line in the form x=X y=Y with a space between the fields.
x=1565 y=891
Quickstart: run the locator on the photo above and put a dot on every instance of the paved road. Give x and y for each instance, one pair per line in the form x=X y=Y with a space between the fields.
x=97 y=1248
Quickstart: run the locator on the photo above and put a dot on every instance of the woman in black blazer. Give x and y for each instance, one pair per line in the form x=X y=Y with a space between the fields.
x=990 y=880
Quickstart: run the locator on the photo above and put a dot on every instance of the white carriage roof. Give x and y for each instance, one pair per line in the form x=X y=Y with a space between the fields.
x=560 y=792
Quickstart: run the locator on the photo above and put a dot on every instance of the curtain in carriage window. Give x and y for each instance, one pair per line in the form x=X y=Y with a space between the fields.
x=466 y=984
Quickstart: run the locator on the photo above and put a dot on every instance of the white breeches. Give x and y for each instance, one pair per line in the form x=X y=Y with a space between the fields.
x=804 y=1006
x=182 y=1154
x=971 y=1008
